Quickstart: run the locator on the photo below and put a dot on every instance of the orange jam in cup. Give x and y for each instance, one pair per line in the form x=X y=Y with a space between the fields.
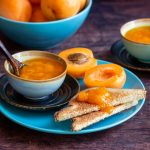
x=139 y=35
x=41 y=69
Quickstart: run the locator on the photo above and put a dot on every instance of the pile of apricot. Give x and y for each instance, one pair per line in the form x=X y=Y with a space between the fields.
x=40 y=10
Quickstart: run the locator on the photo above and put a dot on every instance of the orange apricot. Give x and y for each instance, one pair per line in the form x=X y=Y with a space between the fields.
x=37 y=15
x=35 y=1
x=19 y=10
x=60 y=9
x=106 y=75
x=82 y=4
x=78 y=61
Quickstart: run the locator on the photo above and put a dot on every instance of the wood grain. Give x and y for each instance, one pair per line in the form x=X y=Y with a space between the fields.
x=99 y=31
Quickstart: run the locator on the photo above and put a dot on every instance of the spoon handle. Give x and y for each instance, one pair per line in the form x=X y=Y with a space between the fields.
x=9 y=57
x=5 y=52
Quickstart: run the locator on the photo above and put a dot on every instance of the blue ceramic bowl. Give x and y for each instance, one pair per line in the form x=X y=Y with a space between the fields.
x=43 y=35
x=35 y=89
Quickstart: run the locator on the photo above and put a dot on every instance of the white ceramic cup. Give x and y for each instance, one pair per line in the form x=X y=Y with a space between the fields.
x=139 y=50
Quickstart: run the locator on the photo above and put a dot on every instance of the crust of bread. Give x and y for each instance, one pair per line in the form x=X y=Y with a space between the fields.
x=86 y=120
x=119 y=96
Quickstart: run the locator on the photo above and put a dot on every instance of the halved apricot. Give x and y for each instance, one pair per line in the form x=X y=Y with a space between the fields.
x=78 y=60
x=106 y=75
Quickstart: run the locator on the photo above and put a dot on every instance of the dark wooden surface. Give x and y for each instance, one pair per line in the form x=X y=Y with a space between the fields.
x=99 y=31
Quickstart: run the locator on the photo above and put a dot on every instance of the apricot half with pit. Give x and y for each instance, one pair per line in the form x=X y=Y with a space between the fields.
x=78 y=60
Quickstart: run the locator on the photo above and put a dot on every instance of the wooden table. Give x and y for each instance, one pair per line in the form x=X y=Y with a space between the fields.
x=99 y=31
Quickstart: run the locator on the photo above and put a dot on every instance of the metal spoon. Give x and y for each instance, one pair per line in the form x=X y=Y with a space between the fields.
x=16 y=65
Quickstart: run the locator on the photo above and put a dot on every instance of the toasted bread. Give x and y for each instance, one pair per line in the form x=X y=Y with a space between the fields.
x=94 y=117
x=119 y=96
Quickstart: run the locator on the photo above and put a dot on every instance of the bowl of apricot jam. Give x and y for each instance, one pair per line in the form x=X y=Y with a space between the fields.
x=136 y=38
x=42 y=74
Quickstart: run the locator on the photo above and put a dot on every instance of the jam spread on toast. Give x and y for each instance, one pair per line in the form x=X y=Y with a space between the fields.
x=100 y=96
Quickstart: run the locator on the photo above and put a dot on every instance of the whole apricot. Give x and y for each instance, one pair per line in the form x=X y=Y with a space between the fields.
x=82 y=4
x=60 y=9
x=19 y=10
x=37 y=15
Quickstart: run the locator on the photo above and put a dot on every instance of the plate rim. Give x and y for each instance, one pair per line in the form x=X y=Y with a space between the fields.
x=82 y=131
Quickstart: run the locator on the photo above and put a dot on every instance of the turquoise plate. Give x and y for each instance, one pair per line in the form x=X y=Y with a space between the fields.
x=44 y=121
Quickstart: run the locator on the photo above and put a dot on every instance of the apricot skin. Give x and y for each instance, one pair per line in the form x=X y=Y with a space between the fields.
x=82 y=4
x=18 y=10
x=38 y=16
x=35 y=1
x=60 y=9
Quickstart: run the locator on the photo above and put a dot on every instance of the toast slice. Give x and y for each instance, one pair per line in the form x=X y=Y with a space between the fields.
x=94 y=117
x=119 y=96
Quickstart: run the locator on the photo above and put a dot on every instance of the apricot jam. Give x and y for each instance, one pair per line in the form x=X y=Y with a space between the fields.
x=100 y=96
x=41 y=69
x=139 y=35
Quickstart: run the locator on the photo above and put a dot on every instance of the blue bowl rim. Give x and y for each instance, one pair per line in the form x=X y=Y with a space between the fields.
x=52 y=22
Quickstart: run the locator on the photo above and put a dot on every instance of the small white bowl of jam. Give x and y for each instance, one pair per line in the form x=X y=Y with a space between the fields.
x=42 y=74
x=136 y=38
